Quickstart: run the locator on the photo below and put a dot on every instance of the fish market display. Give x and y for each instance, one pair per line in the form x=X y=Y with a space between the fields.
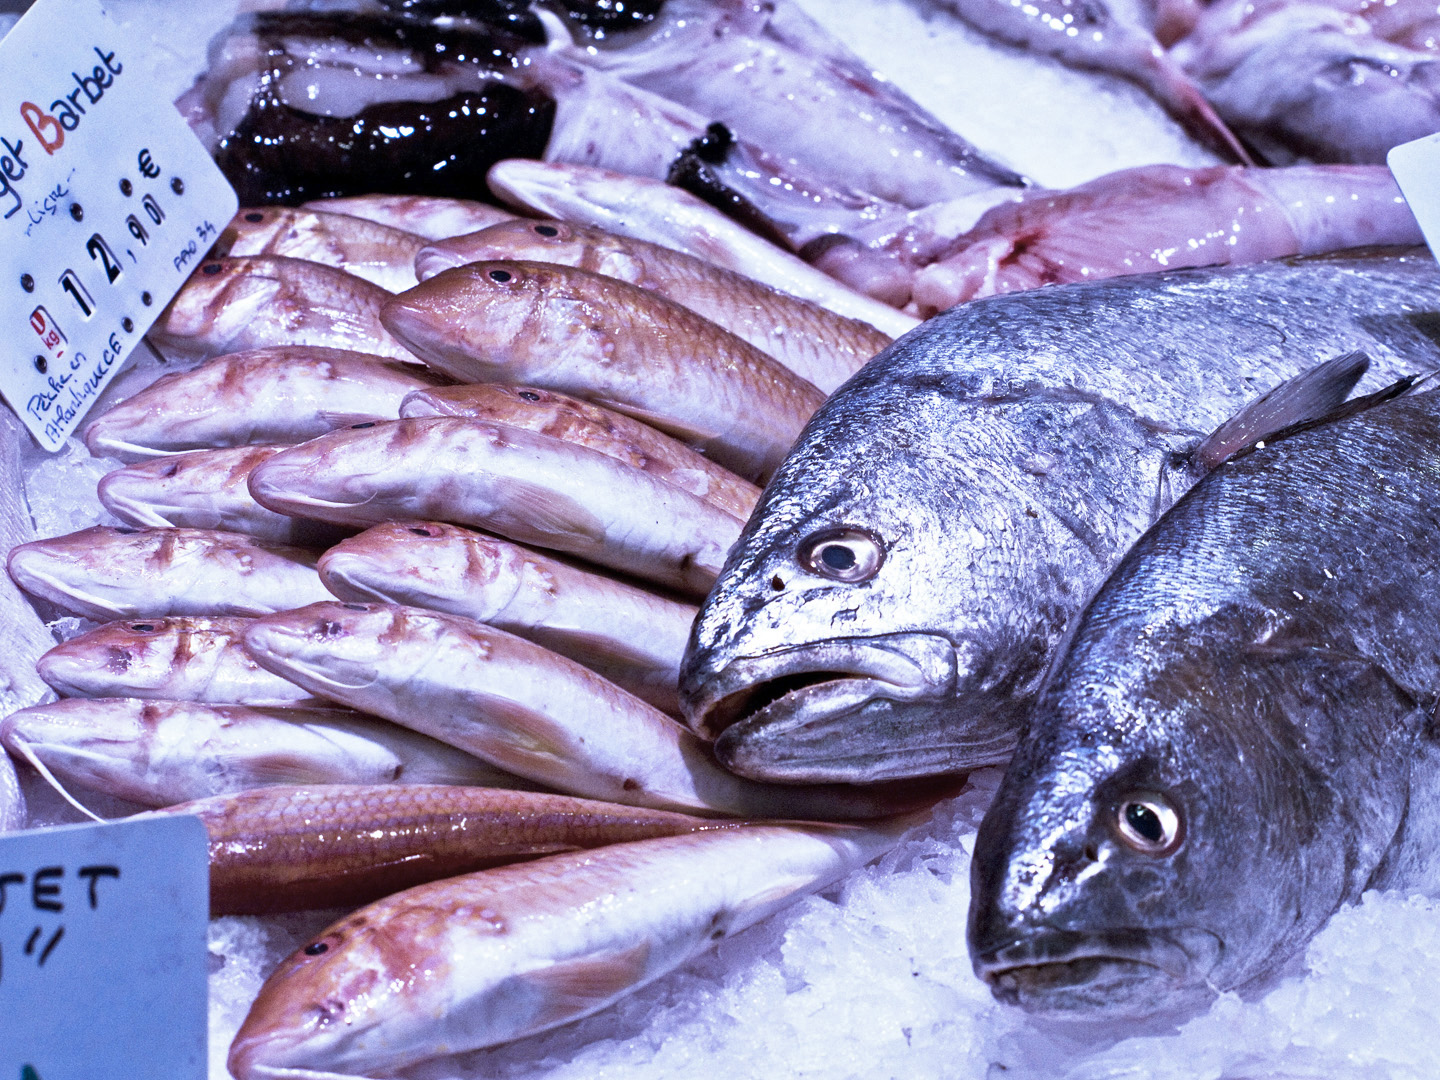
x=819 y=346
x=281 y=394
x=378 y=253
x=895 y=600
x=611 y=433
x=649 y=358
x=521 y=485
x=525 y=710
x=431 y=216
x=108 y=573
x=1162 y=217
x=632 y=637
x=251 y=301
x=547 y=942
x=286 y=848
x=185 y=658
x=163 y=752
x=1266 y=655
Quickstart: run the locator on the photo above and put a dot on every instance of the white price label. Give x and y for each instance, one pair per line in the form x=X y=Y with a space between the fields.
x=1416 y=168
x=102 y=951
x=107 y=201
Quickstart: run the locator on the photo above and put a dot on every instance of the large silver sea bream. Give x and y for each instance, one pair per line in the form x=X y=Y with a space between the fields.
x=894 y=602
x=1240 y=737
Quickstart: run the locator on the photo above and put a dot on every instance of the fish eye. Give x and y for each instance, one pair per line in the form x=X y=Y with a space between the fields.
x=143 y=627
x=316 y=948
x=547 y=230
x=1149 y=823
x=422 y=530
x=529 y=395
x=500 y=275
x=845 y=554
x=211 y=269
x=362 y=427
x=254 y=217
x=355 y=607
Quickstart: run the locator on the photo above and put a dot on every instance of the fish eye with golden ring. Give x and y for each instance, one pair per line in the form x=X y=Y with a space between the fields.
x=845 y=554
x=1147 y=822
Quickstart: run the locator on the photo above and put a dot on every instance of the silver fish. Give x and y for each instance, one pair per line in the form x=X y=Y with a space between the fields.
x=280 y=394
x=108 y=573
x=895 y=600
x=1238 y=739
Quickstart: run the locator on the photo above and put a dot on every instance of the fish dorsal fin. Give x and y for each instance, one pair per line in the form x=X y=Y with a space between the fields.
x=1308 y=396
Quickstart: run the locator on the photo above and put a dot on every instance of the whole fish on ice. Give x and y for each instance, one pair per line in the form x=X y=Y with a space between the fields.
x=893 y=604
x=1239 y=738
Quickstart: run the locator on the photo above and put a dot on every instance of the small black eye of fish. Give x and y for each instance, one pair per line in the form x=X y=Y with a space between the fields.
x=529 y=395
x=500 y=275
x=254 y=217
x=1148 y=823
x=211 y=268
x=316 y=948
x=420 y=530
x=143 y=627
x=848 y=555
x=355 y=607
x=547 y=230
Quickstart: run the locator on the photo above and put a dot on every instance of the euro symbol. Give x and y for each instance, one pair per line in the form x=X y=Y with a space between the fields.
x=147 y=166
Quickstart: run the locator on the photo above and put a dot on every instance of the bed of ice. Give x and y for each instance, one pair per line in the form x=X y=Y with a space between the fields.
x=872 y=979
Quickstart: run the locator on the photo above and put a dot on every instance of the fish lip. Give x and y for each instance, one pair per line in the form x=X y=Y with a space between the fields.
x=913 y=666
x=1048 y=972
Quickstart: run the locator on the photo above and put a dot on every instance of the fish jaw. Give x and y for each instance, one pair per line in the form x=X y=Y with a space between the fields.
x=853 y=710
x=1124 y=973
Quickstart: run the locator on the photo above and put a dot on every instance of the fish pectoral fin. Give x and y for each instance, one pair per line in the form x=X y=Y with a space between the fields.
x=537 y=514
x=337 y=420
x=1308 y=397
x=574 y=988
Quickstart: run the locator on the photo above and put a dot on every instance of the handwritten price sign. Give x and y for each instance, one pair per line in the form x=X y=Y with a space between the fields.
x=105 y=199
x=102 y=951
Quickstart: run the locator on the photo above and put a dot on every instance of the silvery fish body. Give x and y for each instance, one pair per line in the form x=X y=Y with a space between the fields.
x=894 y=602
x=1240 y=737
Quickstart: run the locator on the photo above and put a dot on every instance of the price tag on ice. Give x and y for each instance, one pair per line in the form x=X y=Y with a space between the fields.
x=106 y=203
x=103 y=961
x=1416 y=168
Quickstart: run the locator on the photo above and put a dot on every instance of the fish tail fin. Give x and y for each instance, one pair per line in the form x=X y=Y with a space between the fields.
x=24 y=750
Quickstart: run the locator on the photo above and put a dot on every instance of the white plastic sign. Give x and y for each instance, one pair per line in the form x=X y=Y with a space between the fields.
x=107 y=201
x=1416 y=168
x=102 y=951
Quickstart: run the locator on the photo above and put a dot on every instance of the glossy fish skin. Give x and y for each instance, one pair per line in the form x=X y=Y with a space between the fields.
x=288 y=848
x=584 y=424
x=107 y=573
x=614 y=344
x=205 y=489
x=1003 y=460
x=189 y=658
x=430 y=216
x=380 y=254
x=632 y=637
x=1262 y=667
x=528 y=711
x=163 y=752
x=554 y=940
x=523 y=486
x=818 y=345
x=281 y=394
x=253 y=301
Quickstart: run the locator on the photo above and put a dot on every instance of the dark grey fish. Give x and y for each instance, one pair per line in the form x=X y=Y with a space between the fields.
x=1240 y=738
x=894 y=602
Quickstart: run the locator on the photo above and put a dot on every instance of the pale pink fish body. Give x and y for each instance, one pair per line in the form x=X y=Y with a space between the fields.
x=163 y=752
x=380 y=254
x=430 y=216
x=818 y=345
x=665 y=215
x=611 y=343
x=253 y=301
x=182 y=658
x=106 y=573
x=632 y=637
x=481 y=959
x=526 y=710
x=509 y=481
x=1164 y=217
x=205 y=489
x=281 y=394
x=586 y=424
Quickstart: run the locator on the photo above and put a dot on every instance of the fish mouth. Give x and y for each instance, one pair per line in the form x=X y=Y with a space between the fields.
x=1129 y=972
x=849 y=710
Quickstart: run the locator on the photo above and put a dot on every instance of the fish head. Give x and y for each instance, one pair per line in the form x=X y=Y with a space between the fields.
x=221 y=298
x=75 y=571
x=523 y=239
x=345 y=1001
x=866 y=625
x=131 y=652
x=259 y=230
x=330 y=648
x=1150 y=847
x=401 y=561
x=480 y=317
